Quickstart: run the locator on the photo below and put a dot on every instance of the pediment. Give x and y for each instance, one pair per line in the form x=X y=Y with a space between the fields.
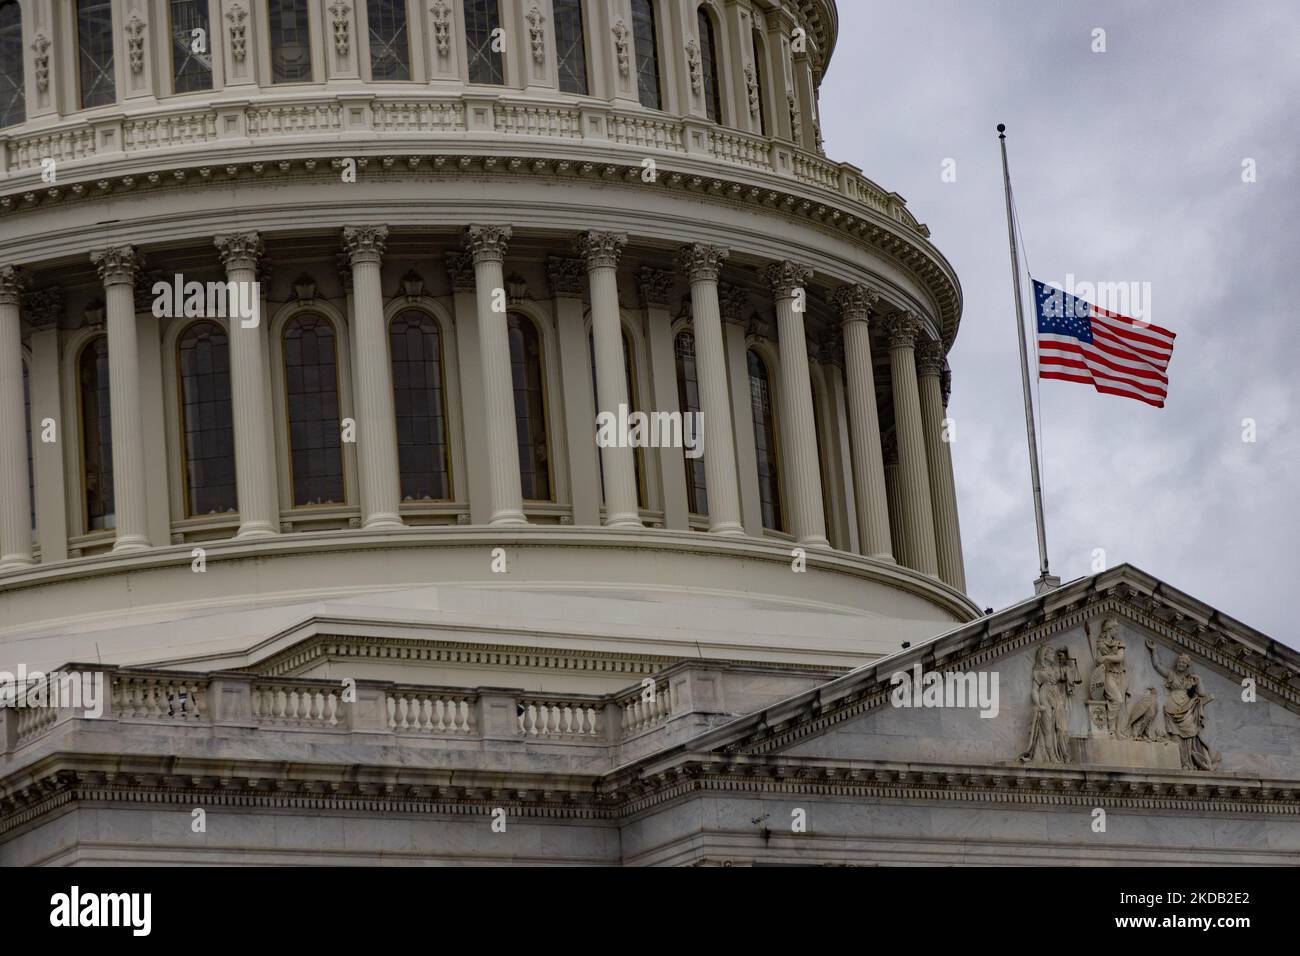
x=1115 y=676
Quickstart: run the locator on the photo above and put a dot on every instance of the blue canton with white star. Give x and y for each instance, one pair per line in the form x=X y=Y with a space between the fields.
x=1060 y=313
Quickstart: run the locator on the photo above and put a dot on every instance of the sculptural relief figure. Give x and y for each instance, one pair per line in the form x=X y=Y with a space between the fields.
x=1049 y=734
x=1109 y=679
x=1185 y=711
x=1141 y=723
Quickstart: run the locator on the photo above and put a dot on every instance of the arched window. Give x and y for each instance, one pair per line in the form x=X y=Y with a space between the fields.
x=646 y=42
x=420 y=402
x=688 y=398
x=207 y=425
x=629 y=372
x=530 y=407
x=765 y=439
x=27 y=417
x=760 y=87
x=482 y=19
x=96 y=434
x=290 y=41
x=571 y=46
x=191 y=59
x=13 y=101
x=95 y=53
x=390 y=46
x=312 y=391
x=709 y=58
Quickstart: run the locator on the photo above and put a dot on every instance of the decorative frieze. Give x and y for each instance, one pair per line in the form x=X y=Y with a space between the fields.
x=341 y=24
x=536 y=34
x=135 y=29
x=621 y=47
x=237 y=16
x=567 y=277
x=441 y=27
x=656 y=287
x=751 y=87
x=695 y=63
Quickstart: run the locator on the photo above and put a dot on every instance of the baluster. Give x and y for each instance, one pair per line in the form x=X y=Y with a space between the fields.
x=441 y=707
x=462 y=708
x=426 y=713
x=392 y=705
x=532 y=719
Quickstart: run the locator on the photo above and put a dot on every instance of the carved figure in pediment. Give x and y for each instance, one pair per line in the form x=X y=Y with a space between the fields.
x=1055 y=674
x=1185 y=711
x=1108 y=683
x=1141 y=723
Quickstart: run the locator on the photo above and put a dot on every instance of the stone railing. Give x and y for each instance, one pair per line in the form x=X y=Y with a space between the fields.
x=685 y=699
x=224 y=123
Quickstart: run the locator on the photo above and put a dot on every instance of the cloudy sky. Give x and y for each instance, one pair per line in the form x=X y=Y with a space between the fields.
x=1127 y=166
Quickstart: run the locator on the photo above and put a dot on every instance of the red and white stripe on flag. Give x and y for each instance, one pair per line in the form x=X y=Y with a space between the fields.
x=1125 y=357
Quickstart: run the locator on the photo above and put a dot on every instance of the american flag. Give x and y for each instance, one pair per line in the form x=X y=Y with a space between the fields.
x=1080 y=342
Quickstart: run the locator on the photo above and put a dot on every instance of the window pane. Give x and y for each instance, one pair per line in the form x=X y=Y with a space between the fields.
x=191 y=68
x=207 y=427
x=390 y=52
x=571 y=46
x=530 y=408
x=311 y=387
x=12 y=99
x=647 y=53
x=290 y=41
x=419 y=399
x=709 y=55
x=769 y=474
x=96 y=435
x=481 y=18
x=688 y=397
x=95 y=52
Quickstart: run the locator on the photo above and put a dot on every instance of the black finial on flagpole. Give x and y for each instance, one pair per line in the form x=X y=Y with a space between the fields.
x=1002 y=131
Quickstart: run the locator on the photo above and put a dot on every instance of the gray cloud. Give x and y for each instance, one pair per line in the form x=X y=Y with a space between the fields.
x=1127 y=167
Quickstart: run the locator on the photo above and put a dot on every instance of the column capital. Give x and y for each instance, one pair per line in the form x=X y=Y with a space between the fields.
x=855 y=301
x=42 y=308
x=732 y=302
x=13 y=282
x=117 y=265
x=902 y=328
x=786 y=277
x=656 y=287
x=460 y=271
x=929 y=357
x=487 y=243
x=567 y=277
x=601 y=250
x=945 y=384
x=702 y=262
x=364 y=243
x=239 y=250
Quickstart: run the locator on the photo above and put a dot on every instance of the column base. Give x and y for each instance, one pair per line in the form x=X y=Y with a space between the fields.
x=729 y=527
x=132 y=542
x=257 y=529
x=814 y=543
x=508 y=519
x=885 y=558
x=624 y=521
x=383 y=522
x=15 y=562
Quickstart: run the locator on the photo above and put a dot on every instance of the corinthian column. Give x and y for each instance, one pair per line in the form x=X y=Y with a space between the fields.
x=601 y=250
x=798 y=426
x=943 y=494
x=259 y=509
x=914 y=476
x=487 y=246
x=855 y=303
x=15 y=495
x=376 y=421
x=702 y=265
x=117 y=268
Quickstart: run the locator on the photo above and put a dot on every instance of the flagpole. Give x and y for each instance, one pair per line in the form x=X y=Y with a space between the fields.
x=1045 y=581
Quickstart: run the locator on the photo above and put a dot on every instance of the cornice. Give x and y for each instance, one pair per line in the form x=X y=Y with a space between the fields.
x=751 y=189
